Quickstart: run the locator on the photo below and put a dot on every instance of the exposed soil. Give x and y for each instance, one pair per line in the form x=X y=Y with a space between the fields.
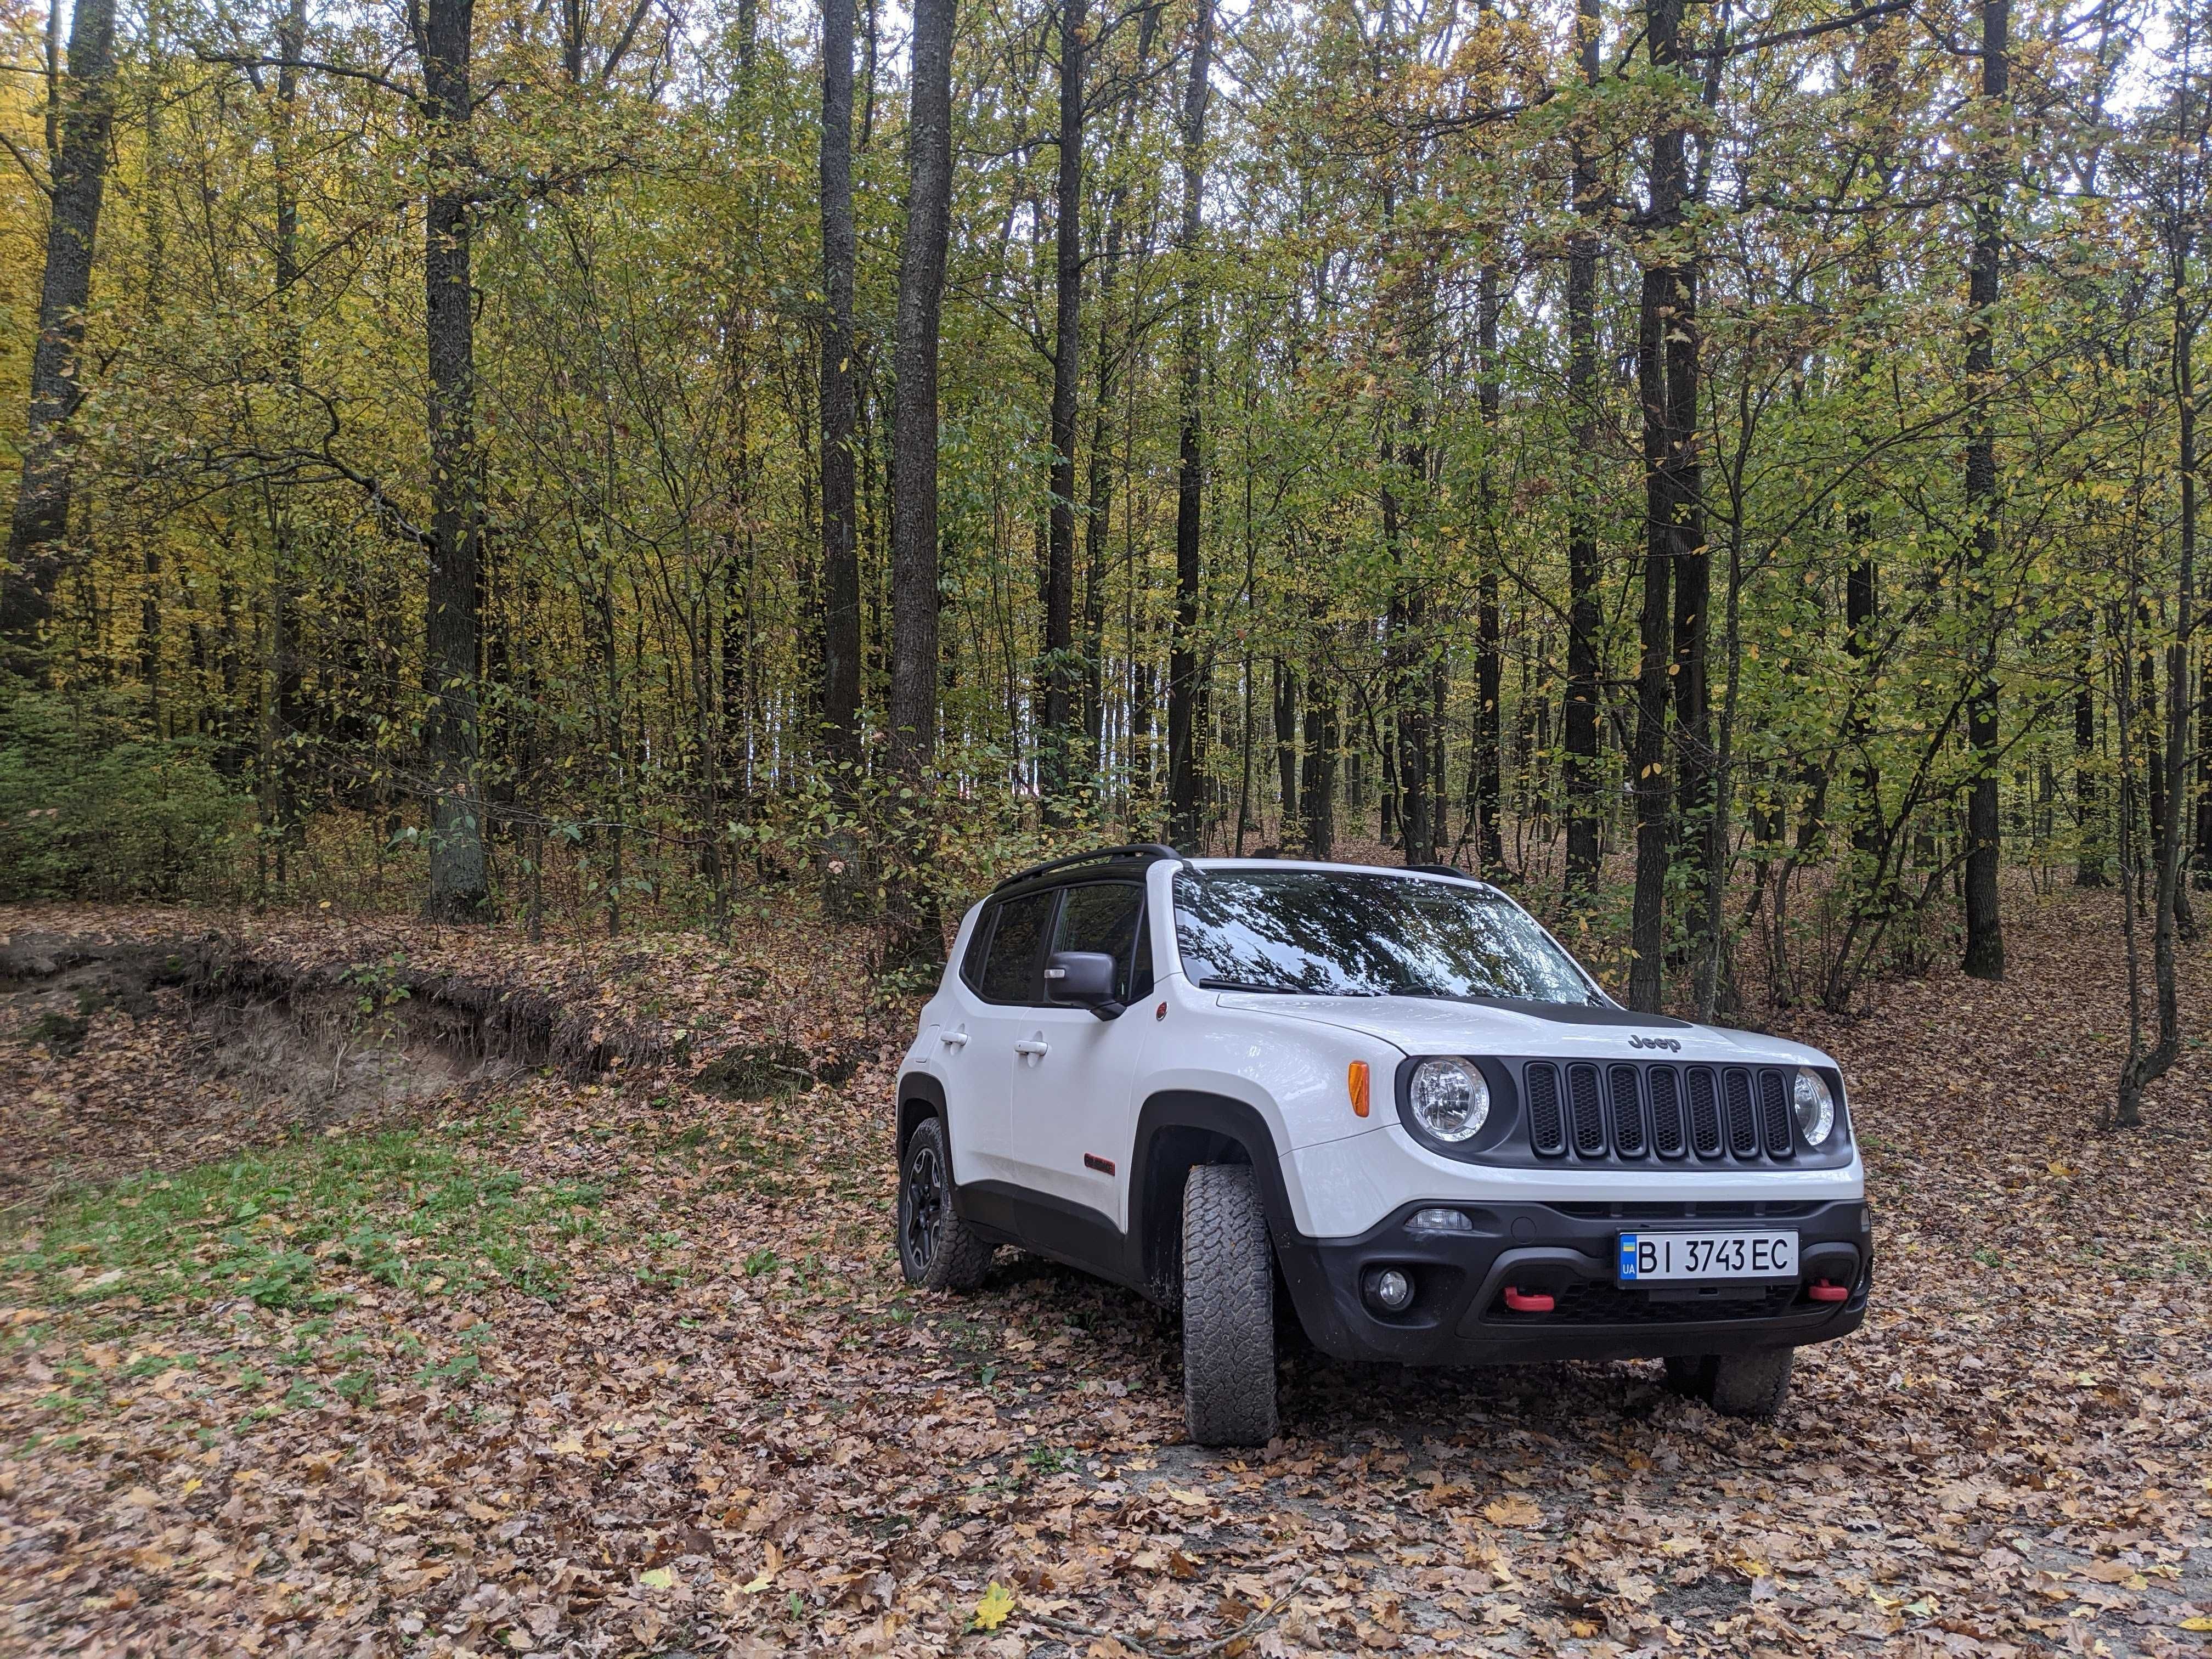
x=226 y=1051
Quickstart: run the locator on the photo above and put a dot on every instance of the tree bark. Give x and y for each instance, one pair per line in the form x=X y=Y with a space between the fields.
x=280 y=705
x=1985 y=954
x=458 y=887
x=1184 y=712
x=916 y=935
x=841 y=564
x=1662 y=299
x=2204 y=771
x=1317 y=787
x=1489 y=659
x=39 y=527
x=2090 y=861
x=1581 y=735
x=1061 y=677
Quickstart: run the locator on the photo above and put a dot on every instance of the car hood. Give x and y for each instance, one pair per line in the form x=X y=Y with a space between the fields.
x=1421 y=1025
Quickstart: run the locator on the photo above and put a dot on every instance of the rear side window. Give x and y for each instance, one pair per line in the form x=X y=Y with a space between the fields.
x=1010 y=967
x=1108 y=917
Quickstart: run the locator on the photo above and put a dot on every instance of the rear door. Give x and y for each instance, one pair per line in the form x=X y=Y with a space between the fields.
x=998 y=981
x=1074 y=1073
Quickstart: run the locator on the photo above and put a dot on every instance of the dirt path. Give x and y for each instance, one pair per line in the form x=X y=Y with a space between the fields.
x=618 y=1367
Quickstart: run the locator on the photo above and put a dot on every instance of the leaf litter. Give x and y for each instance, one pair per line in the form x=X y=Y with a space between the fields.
x=605 y=1363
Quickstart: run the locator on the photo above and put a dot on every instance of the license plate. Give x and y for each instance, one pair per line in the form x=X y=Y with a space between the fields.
x=1664 y=1258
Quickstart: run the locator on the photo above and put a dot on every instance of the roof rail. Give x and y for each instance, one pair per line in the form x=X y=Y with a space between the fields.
x=1146 y=850
x=1451 y=870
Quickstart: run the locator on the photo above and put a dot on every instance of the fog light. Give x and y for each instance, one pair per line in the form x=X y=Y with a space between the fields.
x=1390 y=1290
x=1440 y=1221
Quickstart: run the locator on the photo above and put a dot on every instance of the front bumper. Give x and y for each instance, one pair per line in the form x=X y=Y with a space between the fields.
x=1458 y=1315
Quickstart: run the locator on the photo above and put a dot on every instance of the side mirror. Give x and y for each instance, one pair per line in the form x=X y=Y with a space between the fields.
x=1085 y=979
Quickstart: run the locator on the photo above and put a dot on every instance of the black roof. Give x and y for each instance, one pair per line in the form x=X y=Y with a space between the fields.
x=1144 y=851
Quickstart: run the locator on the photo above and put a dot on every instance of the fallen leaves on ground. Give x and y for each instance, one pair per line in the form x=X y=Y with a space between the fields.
x=613 y=1366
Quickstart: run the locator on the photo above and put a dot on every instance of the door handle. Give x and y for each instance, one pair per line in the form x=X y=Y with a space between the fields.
x=1032 y=1046
x=953 y=1039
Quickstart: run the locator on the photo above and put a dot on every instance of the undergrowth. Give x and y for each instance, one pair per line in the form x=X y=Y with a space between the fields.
x=426 y=1212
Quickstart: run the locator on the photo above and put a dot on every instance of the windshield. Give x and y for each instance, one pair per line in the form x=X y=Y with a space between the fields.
x=1334 y=933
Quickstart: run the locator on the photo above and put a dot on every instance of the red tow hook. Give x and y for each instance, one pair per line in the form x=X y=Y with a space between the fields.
x=1822 y=1290
x=1528 y=1301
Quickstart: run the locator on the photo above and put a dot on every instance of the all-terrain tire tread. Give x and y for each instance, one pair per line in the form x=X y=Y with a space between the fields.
x=962 y=1257
x=1228 y=1309
x=1753 y=1384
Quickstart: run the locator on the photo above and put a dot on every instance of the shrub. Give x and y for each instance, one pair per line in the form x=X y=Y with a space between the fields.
x=91 y=807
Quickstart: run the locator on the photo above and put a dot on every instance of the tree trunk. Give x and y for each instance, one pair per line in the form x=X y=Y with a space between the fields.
x=1490 y=660
x=458 y=886
x=1662 y=299
x=280 y=705
x=1985 y=954
x=1287 y=751
x=916 y=934
x=1584 y=620
x=2089 y=863
x=2204 y=771
x=1183 y=711
x=1317 y=788
x=36 y=554
x=1061 y=676
x=841 y=562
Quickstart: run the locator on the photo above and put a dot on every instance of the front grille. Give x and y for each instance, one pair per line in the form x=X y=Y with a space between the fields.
x=1774 y=1114
x=1547 y=1129
x=1743 y=1128
x=1650 y=1110
x=1589 y=1112
x=1627 y=1111
x=1596 y=1303
x=1667 y=1139
x=1704 y=1114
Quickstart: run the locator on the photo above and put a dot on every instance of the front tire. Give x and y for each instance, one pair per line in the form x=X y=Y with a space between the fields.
x=937 y=1249
x=1228 y=1309
x=1753 y=1384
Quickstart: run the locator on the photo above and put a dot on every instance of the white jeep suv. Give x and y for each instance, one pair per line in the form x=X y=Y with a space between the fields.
x=1387 y=1094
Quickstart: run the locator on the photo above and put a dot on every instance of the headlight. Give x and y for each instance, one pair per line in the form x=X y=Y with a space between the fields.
x=1815 y=1105
x=1449 y=1098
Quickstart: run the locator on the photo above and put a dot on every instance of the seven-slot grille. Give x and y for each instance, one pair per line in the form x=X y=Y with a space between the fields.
x=1603 y=1113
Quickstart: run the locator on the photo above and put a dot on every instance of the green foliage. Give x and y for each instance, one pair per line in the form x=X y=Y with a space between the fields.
x=91 y=807
x=283 y=1227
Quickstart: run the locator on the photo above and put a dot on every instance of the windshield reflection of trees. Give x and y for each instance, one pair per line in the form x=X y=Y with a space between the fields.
x=1341 y=935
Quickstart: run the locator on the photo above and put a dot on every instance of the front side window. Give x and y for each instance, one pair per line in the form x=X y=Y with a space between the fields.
x=1010 y=969
x=1336 y=933
x=1108 y=917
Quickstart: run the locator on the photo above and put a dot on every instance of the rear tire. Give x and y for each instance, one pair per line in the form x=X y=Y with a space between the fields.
x=1228 y=1309
x=1691 y=1375
x=937 y=1250
x=1753 y=1384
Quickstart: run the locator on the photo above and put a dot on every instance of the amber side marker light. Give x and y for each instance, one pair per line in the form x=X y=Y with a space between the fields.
x=1355 y=1082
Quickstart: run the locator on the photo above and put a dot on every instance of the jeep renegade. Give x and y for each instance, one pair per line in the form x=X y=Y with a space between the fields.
x=1388 y=1095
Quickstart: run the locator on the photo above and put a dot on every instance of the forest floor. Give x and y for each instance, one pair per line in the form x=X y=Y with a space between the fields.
x=336 y=1317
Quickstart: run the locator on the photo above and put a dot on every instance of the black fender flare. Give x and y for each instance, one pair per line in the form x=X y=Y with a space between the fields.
x=1178 y=1130
x=921 y=1096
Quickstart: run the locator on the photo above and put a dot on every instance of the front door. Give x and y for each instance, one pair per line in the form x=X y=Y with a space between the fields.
x=977 y=1045
x=1073 y=1072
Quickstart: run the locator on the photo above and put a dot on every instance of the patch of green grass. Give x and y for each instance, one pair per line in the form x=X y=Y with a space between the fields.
x=286 y=1226
x=461 y=1368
